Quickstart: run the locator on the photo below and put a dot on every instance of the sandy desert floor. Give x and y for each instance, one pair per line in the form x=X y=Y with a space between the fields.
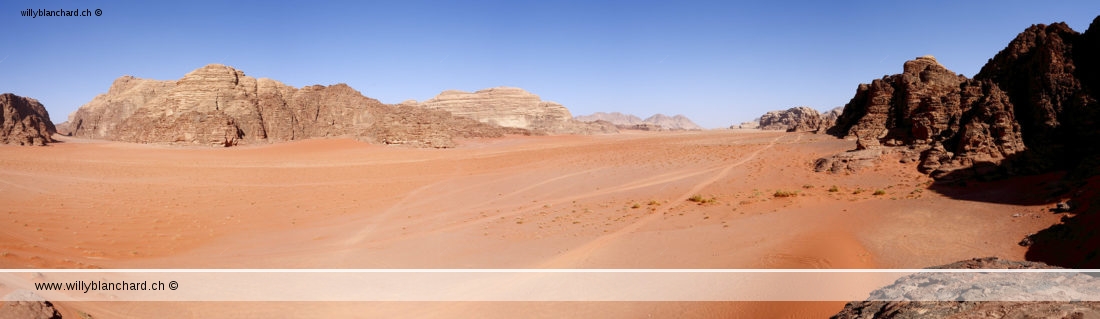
x=608 y=201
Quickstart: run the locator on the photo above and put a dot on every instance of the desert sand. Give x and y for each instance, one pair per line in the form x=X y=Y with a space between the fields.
x=602 y=201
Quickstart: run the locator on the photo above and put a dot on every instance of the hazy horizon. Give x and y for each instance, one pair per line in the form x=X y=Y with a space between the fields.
x=716 y=63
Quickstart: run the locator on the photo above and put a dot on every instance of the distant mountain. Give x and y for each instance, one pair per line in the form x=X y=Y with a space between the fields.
x=676 y=122
x=613 y=117
x=657 y=122
x=515 y=108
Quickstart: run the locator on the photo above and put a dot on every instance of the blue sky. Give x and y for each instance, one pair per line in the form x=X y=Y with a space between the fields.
x=719 y=63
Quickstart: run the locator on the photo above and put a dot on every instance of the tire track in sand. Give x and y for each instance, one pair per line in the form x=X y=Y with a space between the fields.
x=579 y=254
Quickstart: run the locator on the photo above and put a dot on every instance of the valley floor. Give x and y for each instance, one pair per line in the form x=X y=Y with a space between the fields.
x=711 y=199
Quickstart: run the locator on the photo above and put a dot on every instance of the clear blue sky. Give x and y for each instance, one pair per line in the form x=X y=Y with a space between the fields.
x=719 y=62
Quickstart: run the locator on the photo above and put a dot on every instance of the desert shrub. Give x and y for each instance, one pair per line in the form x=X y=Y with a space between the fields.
x=701 y=200
x=783 y=193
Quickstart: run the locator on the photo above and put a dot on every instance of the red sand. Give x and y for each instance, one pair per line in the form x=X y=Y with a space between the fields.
x=610 y=201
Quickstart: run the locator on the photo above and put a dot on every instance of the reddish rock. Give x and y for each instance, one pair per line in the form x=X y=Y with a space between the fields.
x=24 y=121
x=796 y=119
x=1035 y=104
x=1051 y=75
x=956 y=121
x=219 y=105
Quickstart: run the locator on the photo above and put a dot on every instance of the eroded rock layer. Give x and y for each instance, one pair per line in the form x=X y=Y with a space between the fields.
x=219 y=105
x=514 y=108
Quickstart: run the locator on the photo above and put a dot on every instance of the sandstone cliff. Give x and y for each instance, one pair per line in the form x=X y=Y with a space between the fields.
x=24 y=121
x=1051 y=74
x=219 y=105
x=515 y=108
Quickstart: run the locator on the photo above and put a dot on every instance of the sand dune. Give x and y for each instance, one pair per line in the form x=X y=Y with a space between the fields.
x=613 y=201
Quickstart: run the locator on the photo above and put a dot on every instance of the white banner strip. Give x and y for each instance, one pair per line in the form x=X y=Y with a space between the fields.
x=551 y=284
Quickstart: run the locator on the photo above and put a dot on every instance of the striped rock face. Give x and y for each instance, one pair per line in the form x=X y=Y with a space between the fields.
x=219 y=105
x=514 y=108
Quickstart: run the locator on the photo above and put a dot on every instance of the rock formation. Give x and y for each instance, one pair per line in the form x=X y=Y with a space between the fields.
x=676 y=122
x=981 y=296
x=829 y=118
x=25 y=304
x=219 y=105
x=796 y=119
x=754 y=124
x=1051 y=75
x=1032 y=108
x=657 y=122
x=848 y=162
x=24 y=121
x=515 y=108
x=953 y=121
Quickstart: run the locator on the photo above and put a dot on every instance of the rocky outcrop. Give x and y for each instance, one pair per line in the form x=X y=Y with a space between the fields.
x=24 y=121
x=796 y=119
x=219 y=105
x=1051 y=74
x=848 y=162
x=515 y=108
x=1035 y=103
x=657 y=122
x=982 y=295
x=25 y=304
x=954 y=121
